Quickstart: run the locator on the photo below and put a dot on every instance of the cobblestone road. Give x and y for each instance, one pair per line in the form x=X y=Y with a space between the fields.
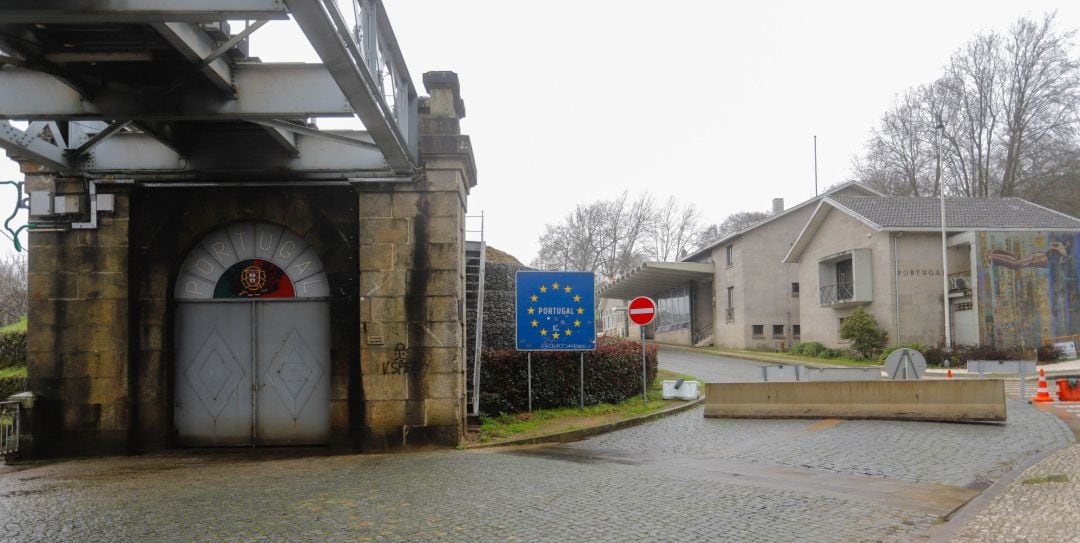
x=1040 y=505
x=684 y=478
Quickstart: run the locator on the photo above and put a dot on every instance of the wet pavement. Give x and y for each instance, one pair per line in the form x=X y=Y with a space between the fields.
x=683 y=478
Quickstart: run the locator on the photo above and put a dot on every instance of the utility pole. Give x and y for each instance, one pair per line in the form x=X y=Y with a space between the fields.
x=815 y=165
x=944 y=244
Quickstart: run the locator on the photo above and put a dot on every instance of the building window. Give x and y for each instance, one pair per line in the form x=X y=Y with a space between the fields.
x=839 y=328
x=729 y=310
x=796 y=331
x=794 y=290
x=758 y=330
x=673 y=309
x=778 y=331
x=730 y=252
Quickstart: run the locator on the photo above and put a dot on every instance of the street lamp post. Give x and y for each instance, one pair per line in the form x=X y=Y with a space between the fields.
x=944 y=244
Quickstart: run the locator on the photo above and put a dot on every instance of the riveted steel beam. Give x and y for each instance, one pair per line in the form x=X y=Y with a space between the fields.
x=137 y=11
x=33 y=148
x=333 y=41
x=196 y=45
x=221 y=152
x=263 y=91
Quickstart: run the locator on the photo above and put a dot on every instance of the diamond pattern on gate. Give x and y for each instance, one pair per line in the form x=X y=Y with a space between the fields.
x=214 y=373
x=294 y=372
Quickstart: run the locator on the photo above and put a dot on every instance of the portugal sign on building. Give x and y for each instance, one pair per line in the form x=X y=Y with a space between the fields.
x=555 y=311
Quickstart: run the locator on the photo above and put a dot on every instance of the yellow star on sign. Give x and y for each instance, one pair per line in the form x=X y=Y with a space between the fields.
x=576 y=297
x=567 y=290
x=543 y=331
x=535 y=324
x=580 y=311
x=543 y=288
x=577 y=323
x=555 y=335
x=534 y=298
x=555 y=286
x=567 y=331
x=531 y=311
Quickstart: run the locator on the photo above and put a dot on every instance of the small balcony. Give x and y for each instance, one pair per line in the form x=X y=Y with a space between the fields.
x=837 y=293
x=960 y=282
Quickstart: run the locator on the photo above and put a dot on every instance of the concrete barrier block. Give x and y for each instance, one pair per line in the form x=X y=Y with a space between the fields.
x=871 y=373
x=948 y=401
x=1001 y=366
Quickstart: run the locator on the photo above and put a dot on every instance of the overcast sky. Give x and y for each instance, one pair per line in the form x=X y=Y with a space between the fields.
x=712 y=102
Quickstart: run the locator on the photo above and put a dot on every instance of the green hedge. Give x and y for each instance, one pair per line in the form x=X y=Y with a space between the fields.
x=11 y=385
x=612 y=374
x=12 y=349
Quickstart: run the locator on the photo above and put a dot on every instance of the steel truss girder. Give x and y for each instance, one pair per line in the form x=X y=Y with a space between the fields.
x=29 y=146
x=195 y=45
x=137 y=11
x=263 y=91
x=136 y=154
x=337 y=49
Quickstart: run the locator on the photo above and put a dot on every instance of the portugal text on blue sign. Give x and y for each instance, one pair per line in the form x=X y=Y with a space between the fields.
x=555 y=311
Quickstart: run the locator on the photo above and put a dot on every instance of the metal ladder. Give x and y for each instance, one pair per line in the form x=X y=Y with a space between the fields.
x=475 y=264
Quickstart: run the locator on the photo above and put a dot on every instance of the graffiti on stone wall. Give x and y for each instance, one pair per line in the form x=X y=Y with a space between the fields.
x=400 y=364
x=1028 y=287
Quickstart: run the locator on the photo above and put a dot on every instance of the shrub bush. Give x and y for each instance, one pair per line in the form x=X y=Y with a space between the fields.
x=935 y=356
x=12 y=349
x=867 y=338
x=961 y=354
x=1049 y=353
x=810 y=348
x=11 y=385
x=612 y=374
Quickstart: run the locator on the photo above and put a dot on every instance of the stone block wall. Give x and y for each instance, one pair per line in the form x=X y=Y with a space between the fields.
x=412 y=287
x=78 y=350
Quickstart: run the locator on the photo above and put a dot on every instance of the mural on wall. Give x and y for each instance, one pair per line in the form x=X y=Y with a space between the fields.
x=1028 y=287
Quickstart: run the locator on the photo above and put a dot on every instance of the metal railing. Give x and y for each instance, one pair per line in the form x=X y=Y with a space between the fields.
x=9 y=429
x=831 y=294
x=729 y=314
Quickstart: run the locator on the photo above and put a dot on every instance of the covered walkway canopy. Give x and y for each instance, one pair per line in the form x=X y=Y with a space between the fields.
x=653 y=277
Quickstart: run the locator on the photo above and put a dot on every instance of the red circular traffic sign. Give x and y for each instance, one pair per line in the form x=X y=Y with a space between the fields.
x=642 y=310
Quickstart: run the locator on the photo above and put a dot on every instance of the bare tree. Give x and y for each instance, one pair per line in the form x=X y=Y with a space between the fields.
x=13 y=288
x=736 y=222
x=674 y=230
x=1040 y=101
x=626 y=224
x=1009 y=107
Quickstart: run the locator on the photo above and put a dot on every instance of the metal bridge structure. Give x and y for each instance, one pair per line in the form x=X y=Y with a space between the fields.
x=166 y=91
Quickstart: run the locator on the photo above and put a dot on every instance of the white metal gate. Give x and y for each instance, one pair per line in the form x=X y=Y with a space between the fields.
x=253 y=341
x=964 y=323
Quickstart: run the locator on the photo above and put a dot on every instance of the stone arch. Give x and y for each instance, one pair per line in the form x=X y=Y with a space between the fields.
x=251 y=260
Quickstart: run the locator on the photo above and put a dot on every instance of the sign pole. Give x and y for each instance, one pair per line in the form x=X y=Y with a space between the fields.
x=530 y=382
x=581 y=403
x=644 y=378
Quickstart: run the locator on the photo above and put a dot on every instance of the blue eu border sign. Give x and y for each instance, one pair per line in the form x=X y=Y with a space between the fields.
x=555 y=311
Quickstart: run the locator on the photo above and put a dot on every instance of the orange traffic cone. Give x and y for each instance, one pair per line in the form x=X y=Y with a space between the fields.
x=949 y=374
x=1044 y=393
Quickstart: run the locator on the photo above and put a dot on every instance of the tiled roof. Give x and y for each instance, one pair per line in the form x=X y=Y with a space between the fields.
x=992 y=213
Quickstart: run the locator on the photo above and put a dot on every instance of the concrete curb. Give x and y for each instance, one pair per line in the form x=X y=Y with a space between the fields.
x=582 y=433
x=752 y=357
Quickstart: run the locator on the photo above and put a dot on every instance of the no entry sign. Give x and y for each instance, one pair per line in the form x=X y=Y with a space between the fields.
x=642 y=310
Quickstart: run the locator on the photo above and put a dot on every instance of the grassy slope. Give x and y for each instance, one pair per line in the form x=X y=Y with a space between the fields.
x=15 y=327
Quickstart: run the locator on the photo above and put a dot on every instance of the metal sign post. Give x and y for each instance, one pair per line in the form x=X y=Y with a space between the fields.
x=644 y=371
x=642 y=311
x=530 y=381
x=581 y=402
